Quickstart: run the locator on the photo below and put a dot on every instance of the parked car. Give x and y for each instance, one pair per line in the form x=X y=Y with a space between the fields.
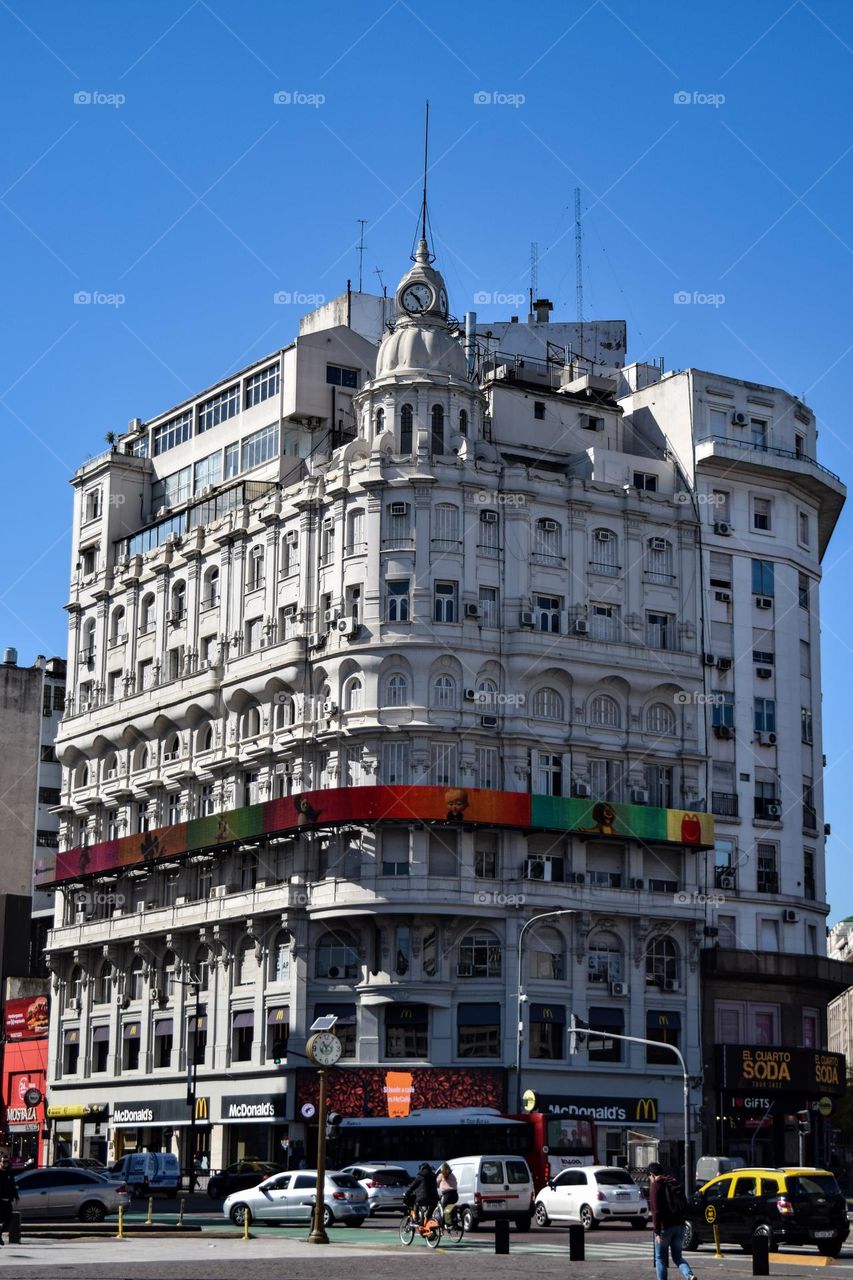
x=148 y=1171
x=798 y=1206
x=69 y=1193
x=384 y=1184
x=243 y=1173
x=592 y=1195
x=289 y=1197
x=492 y=1187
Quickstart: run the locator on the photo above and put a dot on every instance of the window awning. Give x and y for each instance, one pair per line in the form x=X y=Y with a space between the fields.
x=165 y=1027
x=100 y=1034
x=244 y=1018
x=71 y=1035
x=604 y=1016
x=548 y=1013
x=663 y=1020
x=130 y=1031
x=406 y=1015
x=202 y=1019
x=278 y=1015
x=345 y=1013
x=479 y=1015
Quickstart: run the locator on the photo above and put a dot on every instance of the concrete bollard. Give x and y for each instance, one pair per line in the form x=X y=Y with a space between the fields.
x=760 y=1255
x=501 y=1235
x=246 y=1225
x=181 y=1202
x=15 y=1229
x=149 y=1221
x=577 y=1243
x=120 y=1235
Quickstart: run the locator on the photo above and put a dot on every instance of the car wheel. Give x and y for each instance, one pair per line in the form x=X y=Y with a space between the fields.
x=522 y=1223
x=470 y=1221
x=691 y=1238
x=328 y=1217
x=830 y=1248
x=354 y=1222
x=239 y=1213
x=213 y=1190
x=588 y=1219
x=764 y=1232
x=540 y=1213
x=639 y=1224
x=92 y=1211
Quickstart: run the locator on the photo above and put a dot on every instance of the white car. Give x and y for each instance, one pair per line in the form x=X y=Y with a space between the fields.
x=385 y=1185
x=591 y=1195
x=289 y=1198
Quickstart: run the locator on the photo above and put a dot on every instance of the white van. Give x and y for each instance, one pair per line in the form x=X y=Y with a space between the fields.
x=148 y=1171
x=492 y=1187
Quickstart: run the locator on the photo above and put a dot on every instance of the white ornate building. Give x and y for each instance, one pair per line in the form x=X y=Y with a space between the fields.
x=374 y=654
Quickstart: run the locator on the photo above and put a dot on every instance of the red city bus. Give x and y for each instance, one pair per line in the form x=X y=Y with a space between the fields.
x=557 y=1143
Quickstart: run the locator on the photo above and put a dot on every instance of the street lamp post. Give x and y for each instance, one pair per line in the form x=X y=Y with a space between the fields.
x=519 y=1034
x=193 y=980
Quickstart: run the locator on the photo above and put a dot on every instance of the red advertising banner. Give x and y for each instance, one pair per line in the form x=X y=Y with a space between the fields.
x=25 y=1019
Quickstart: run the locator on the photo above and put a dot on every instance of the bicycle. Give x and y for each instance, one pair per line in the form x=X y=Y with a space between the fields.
x=432 y=1228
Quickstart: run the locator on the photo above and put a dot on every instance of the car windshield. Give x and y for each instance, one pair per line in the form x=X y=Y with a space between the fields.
x=346 y=1180
x=389 y=1177
x=614 y=1178
x=814 y=1186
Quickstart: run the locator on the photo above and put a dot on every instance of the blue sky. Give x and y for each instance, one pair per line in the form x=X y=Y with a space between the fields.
x=185 y=196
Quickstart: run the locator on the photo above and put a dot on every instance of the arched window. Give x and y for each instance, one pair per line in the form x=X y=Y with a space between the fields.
x=210 y=596
x=397 y=691
x=103 y=993
x=250 y=725
x=280 y=958
x=178 y=601
x=479 y=955
x=604 y=959
x=662 y=963
x=247 y=962
x=136 y=979
x=379 y=421
x=545 y=955
x=172 y=747
x=117 y=625
x=463 y=422
x=547 y=704
x=353 y=694
x=604 y=712
x=406 y=428
x=660 y=719
x=205 y=737
x=284 y=715
x=444 y=693
x=659 y=561
x=604 y=554
x=81 y=778
x=110 y=766
x=87 y=653
x=141 y=759
x=337 y=956
x=146 y=613
x=74 y=989
x=437 y=424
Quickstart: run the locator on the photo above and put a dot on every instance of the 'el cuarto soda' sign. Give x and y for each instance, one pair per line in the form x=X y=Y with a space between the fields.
x=762 y=1068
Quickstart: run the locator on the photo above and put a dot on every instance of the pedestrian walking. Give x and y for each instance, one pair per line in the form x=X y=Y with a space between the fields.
x=668 y=1205
x=8 y=1195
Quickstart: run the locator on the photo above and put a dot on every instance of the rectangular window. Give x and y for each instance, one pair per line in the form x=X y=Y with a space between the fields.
x=219 y=408
x=720 y=570
x=809 y=809
x=805 y=659
x=489 y=534
x=340 y=376
x=762 y=578
x=443 y=859
x=398 y=600
x=768 y=940
x=730 y=1016
x=547 y=542
x=762 y=514
x=485 y=856
x=548 y=780
x=539 y=409
x=803 y=590
x=254 y=631
x=660 y=631
x=721 y=506
x=663 y=1026
x=207 y=471
x=727 y=926
x=645 y=480
x=163 y=1040
x=395 y=764
x=609 y=1020
x=604 y=622
x=444 y=764
x=242 y=1034
x=445 y=608
x=398 y=527
x=172 y=433
x=763 y=1022
x=811 y=1028
x=607 y=779
x=487 y=768
x=548 y=611
x=130 y=1046
x=489 y=610
x=660 y=785
x=804 y=529
x=445 y=526
x=758 y=433
x=395 y=852
x=171 y=490
x=260 y=386
x=806 y=726
x=768 y=868
x=478 y=1031
x=406 y=1031
x=764 y=714
x=547 y=1030
x=809 y=882
x=232 y=461
x=259 y=447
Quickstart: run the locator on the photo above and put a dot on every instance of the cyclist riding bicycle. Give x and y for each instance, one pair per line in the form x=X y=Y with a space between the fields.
x=423 y=1192
x=449 y=1191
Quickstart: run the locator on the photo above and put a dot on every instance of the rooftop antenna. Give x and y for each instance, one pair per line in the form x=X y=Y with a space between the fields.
x=377 y=271
x=361 y=222
x=579 y=263
x=534 y=275
x=424 y=215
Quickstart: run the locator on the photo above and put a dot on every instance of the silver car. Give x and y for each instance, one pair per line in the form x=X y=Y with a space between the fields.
x=289 y=1198
x=385 y=1185
x=69 y=1193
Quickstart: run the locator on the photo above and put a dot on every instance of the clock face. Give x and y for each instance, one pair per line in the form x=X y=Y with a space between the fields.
x=442 y=302
x=416 y=298
x=324 y=1048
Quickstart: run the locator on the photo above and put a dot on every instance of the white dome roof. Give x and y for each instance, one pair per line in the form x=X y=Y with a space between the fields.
x=420 y=348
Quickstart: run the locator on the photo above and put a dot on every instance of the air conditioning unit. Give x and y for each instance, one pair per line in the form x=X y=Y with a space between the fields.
x=773 y=810
x=657 y=544
x=578 y=877
x=470 y=695
x=489 y=517
x=711 y=931
x=723 y=597
x=827 y=829
x=739 y=419
x=724 y=664
x=156 y=995
x=317 y=640
x=205 y=491
x=581 y=627
x=472 y=611
x=161 y=511
x=603 y=535
x=639 y=796
x=526 y=619
x=398 y=508
x=330 y=708
x=536 y=869
x=76 y=1004
x=348 y=626
x=548 y=526
x=767 y=739
x=489 y=722
x=257 y=552
x=764 y=673
x=330 y=617
x=709 y=659
x=619 y=989
x=581 y=790
x=638 y=884
x=291 y=536
x=722 y=528
x=790 y=917
x=669 y=984
x=724 y=731
x=328 y=523
x=764 y=602
x=727 y=882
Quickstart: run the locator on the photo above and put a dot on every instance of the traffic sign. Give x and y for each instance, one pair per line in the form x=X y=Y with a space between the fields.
x=308 y=1111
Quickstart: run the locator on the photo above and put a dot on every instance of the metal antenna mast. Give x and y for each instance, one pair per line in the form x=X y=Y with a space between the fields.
x=426 y=160
x=361 y=222
x=534 y=272
x=578 y=256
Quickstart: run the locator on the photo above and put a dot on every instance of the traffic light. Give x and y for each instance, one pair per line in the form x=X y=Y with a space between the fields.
x=333 y=1119
x=279 y=1051
x=804 y=1123
x=576 y=1037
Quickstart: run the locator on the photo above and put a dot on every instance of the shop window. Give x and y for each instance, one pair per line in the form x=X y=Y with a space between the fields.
x=406 y=1031
x=130 y=1046
x=547 y=1026
x=163 y=1040
x=100 y=1049
x=611 y=1021
x=242 y=1035
x=278 y=1030
x=70 y=1051
x=663 y=1027
x=478 y=1031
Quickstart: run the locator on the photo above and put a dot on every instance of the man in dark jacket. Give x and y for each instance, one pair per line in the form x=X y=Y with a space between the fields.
x=668 y=1228
x=423 y=1191
x=8 y=1194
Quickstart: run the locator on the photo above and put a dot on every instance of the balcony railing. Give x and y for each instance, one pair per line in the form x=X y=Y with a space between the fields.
x=750 y=447
x=724 y=804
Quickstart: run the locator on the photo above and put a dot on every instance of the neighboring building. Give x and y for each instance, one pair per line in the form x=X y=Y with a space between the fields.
x=47 y=801
x=24 y=1071
x=840 y=1011
x=406 y=646
x=766 y=510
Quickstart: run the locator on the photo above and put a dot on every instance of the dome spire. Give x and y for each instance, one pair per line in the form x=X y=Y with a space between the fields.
x=422 y=254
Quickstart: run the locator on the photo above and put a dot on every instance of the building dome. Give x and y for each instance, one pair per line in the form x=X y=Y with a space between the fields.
x=421 y=340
